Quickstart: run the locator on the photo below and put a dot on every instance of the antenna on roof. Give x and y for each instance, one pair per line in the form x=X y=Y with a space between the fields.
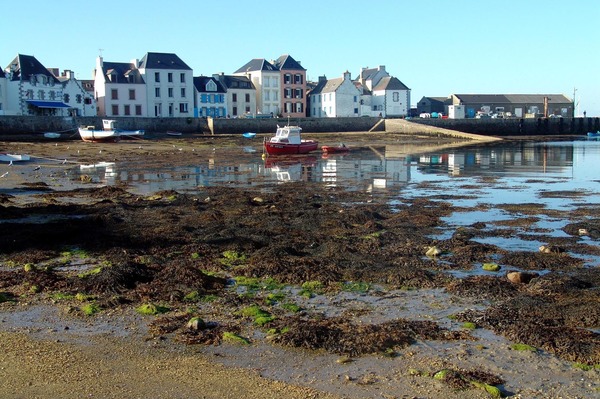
x=100 y=50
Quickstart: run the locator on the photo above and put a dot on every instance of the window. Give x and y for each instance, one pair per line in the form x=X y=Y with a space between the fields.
x=132 y=94
x=157 y=77
x=183 y=108
x=287 y=93
x=298 y=79
x=287 y=79
x=170 y=90
x=87 y=101
x=298 y=93
x=115 y=110
x=78 y=98
x=211 y=86
x=247 y=97
x=234 y=98
x=299 y=107
x=114 y=94
x=355 y=99
x=182 y=78
x=247 y=110
x=66 y=98
x=266 y=83
x=170 y=77
x=211 y=98
x=183 y=92
x=157 y=92
x=356 y=111
x=138 y=109
x=41 y=94
x=126 y=110
x=234 y=111
x=267 y=95
x=395 y=96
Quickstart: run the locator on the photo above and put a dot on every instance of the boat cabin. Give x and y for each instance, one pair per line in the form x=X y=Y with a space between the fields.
x=109 y=124
x=288 y=135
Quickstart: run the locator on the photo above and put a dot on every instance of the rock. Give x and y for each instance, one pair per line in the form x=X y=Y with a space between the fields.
x=491 y=267
x=520 y=277
x=550 y=249
x=196 y=323
x=433 y=251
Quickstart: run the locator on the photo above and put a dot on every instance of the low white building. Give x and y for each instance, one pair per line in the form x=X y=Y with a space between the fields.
x=335 y=98
x=387 y=95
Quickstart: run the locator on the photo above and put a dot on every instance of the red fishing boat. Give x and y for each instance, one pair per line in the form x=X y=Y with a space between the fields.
x=287 y=141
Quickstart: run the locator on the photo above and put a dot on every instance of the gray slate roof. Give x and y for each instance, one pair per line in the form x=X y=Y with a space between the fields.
x=257 y=64
x=287 y=62
x=125 y=72
x=236 y=82
x=390 y=83
x=24 y=66
x=201 y=81
x=162 y=61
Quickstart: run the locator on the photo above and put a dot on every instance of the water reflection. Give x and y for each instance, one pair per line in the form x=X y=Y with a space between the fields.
x=364 y=169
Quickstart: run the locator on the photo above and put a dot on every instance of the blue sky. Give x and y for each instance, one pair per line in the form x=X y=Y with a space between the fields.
x=435 y=47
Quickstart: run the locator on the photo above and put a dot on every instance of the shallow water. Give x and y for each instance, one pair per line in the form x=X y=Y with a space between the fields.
x=485 y=180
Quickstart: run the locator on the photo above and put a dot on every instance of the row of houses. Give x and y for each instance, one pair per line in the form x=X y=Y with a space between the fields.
x=163 y=85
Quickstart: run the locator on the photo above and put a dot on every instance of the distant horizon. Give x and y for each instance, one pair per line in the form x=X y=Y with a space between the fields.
x=438 y=49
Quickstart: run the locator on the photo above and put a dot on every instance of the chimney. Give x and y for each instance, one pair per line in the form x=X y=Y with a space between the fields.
x=347 y=75
x=322 y=78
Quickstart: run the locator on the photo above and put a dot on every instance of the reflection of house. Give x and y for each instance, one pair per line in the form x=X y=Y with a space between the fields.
x=266 y=79
x=335 y=98
x=432 y=104
x=240 y=94
x=31 y=89
x=517 y=105
x=210 y=97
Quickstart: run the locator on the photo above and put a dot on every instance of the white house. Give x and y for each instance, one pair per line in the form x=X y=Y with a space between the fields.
x=335 y=98
x=388 y=96
x=120 y=89
x=210 y=97
x=82 y=101
x=2 y=91
x=266 y=79
x=31 y=89
x=240 y=96
x=169 y=85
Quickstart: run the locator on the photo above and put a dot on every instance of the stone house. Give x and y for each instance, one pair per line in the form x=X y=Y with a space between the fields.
x=240 y=96
x=120 y=89
x=337 y=97
x=210 y=97
x=293 y=86
x=266 y=78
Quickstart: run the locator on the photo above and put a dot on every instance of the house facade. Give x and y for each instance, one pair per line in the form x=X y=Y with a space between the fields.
x=385 y=95
x=391 y=98
x=514 y=105
x=293 y=86
x=120 y=89
x=240 y=96
x=210 y=98
x=335 y=98
x=169 y=85
x=266 y=79
x=80 y=99
x=31 y=89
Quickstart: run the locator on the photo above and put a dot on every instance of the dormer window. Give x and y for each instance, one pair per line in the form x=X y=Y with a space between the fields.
x=211 y=86
x=32 y=79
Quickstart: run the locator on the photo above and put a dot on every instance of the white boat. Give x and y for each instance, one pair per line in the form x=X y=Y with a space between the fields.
x=109 y=132
x=13 y=157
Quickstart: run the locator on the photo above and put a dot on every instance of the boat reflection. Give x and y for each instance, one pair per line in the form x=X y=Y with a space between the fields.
x=291 y=168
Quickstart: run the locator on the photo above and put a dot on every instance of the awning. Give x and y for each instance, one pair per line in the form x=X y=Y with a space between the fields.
x=48 y=104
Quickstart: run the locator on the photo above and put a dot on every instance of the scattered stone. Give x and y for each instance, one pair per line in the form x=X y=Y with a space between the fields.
x=521 y=277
